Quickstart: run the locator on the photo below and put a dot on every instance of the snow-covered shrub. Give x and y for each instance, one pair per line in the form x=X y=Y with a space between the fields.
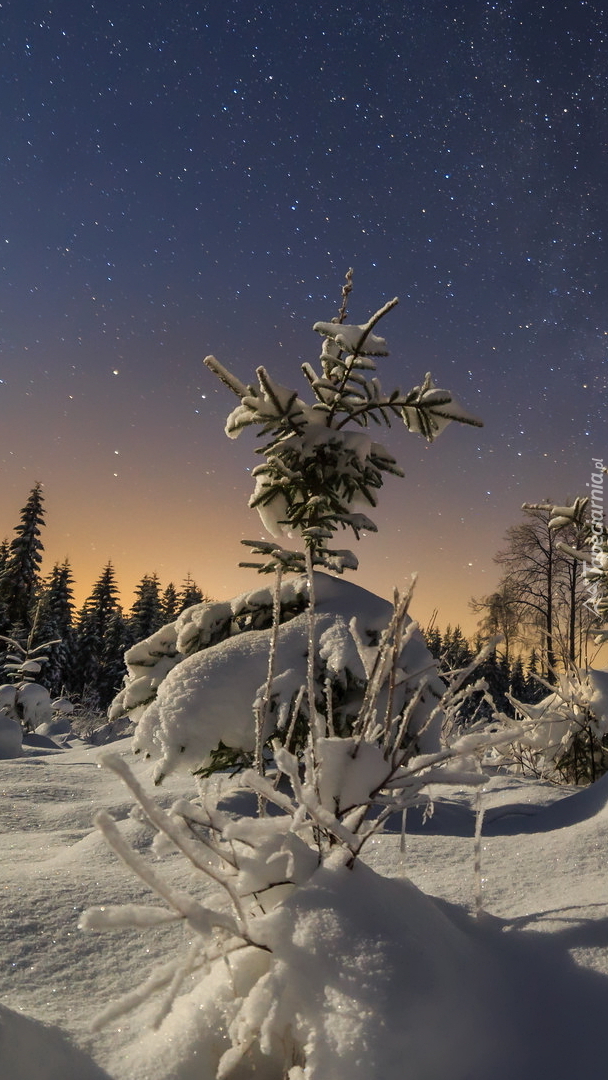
x=30 y=703
x=564 y=734
x=272 y=980
x=201 y=626
x=33 y=705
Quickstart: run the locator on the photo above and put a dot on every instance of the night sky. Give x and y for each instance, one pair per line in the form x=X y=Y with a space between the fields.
x=179 y=178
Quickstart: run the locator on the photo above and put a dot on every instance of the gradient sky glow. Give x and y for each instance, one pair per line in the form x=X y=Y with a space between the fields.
x=179 y=178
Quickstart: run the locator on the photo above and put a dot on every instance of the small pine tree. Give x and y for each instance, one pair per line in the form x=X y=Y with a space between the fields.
x=21 y=572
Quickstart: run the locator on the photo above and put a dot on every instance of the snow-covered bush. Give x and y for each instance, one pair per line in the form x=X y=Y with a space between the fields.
x=565 y=733
x=270 y=983
x=28 y=703
x=22 y=698
x=201 y=626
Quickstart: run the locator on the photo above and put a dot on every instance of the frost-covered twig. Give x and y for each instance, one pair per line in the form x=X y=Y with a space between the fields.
x=263 y=704
x=170 y=827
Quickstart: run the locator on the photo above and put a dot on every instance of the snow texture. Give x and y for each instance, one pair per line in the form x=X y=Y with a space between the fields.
x=30 y=1050
x=373 y=977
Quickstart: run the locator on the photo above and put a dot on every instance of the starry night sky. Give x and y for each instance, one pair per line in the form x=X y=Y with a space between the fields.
x=179 y=178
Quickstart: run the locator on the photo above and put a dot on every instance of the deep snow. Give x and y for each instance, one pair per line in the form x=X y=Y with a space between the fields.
x=408 y=986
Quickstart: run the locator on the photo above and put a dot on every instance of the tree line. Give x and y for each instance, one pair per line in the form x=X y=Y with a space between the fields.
x=86 y=650
x=504 y=676
x=538 y=610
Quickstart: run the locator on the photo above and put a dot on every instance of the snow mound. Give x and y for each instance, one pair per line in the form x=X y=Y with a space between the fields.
x=209 y=697
x=30 y=1050
x=60 y=724
x=368 y=977
x=10 y=737
x=585 y=804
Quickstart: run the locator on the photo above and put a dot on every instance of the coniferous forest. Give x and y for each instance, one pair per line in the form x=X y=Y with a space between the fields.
x=84 y=647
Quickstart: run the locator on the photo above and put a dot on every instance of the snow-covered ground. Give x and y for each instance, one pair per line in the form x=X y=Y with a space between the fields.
x=425 y=990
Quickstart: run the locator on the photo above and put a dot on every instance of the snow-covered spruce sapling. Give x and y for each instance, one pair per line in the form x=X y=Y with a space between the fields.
x=22 y=698
x=322 y=468
x=246 y=967
x=244 y=964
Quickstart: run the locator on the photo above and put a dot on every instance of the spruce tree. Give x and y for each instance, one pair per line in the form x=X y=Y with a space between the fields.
x=147 y=614
x=103 y=603
x=117 y=639
x=518 y=680
x=434 y=641
x=5 y=625
x=55 y=621
x=21 y=573
x=58 y=596
x=170 y=603
x=535 y=691
x=190 y=594
x=4 y=553
x=89 y=646
x=321 y=464
x=92 y=625
x=456 y=651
